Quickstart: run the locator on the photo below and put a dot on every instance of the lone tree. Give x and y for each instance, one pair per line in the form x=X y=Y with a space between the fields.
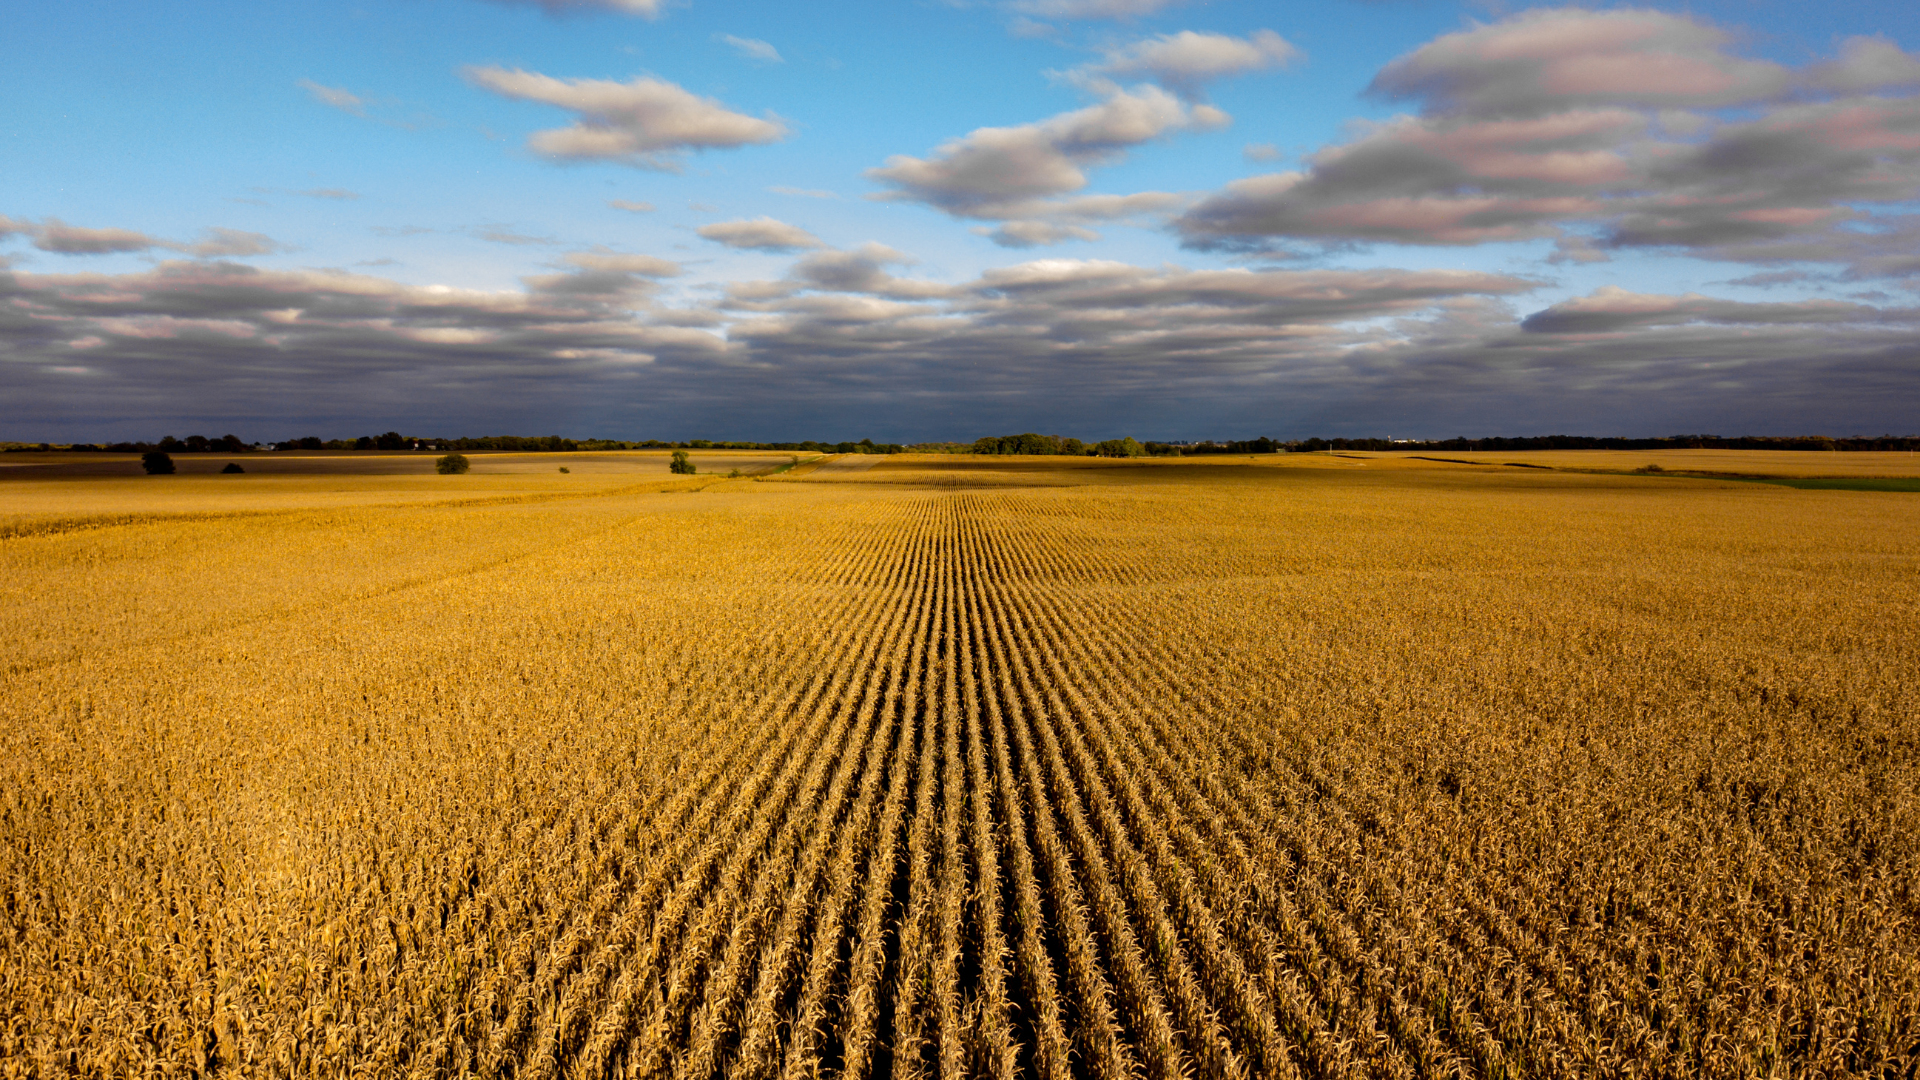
x=452 y=463
x=233 y=467
x=157 y=463
x=680 y=464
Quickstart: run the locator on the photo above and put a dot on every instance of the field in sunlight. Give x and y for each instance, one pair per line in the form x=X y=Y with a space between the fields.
x=1298 y=765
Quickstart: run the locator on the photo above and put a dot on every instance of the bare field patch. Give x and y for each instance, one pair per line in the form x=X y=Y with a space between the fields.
x=962 y=768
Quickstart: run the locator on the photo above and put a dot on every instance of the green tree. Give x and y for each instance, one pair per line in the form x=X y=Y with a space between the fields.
x=1126 y=447
x=680 y=465
x=451 y=464
x=157 y=463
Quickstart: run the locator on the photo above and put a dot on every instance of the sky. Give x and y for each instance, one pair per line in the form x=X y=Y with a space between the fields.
x=937 y=220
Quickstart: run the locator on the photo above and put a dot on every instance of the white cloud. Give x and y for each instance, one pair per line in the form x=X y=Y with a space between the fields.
x=615 y=262
x=804 y=193
x=1262 y=152
x=753 y=49
x=646 y=123
x=57 y=236
x=500 y=234
x=862 y=270
x=1009 y=172
x=60 y=238
x=1026 y=234
x=760 y=234
x=631 y=206
x=344 y=100
x=1186 y=61
x=1866 y=64
x=232 y=243
x=1609 y=124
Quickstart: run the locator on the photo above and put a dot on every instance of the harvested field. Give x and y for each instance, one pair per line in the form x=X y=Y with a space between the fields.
x=1172 y=769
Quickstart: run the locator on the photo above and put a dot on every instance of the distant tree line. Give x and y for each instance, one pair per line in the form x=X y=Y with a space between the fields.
x=809 y=446
x=393 y=440
x=1054 y=445
x=1580 y=442
x=1059 y=446
x=1027 y=443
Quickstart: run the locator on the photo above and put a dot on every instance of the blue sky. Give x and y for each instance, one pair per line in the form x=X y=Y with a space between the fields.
x=940 y=220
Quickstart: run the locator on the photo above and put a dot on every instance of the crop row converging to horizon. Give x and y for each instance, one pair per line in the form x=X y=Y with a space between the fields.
x=1165 y=772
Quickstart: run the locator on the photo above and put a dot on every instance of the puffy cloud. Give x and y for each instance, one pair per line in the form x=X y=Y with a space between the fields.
x=753 y=49
x=646 y=123
x=1603 y=120
x=1026 y=234
x=1409 y=182
x=615 y=262
x=334 y=97
x=1866 y=64
x=1550 y=60
x=1185 y=62
x=61 y=238
x=1016 y=172
x=1875 y=246
x=862 y=270
x=57 y=236
x=760 y=234
x=604 y=277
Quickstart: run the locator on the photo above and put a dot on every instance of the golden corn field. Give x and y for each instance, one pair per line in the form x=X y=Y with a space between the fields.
x=941 y=768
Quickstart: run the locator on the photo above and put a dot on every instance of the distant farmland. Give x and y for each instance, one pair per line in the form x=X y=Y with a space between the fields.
x=1275 y=767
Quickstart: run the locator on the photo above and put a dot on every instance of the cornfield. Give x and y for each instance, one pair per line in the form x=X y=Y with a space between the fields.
x=1167 y=771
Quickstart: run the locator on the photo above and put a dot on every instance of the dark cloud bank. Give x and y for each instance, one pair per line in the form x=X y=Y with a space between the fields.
x=842 y=344
x=1599 y=131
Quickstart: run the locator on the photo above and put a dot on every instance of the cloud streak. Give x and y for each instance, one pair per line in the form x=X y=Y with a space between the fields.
x=760 y=234
x=1185 y=62
x=753 y=49
x=335 y=98
x=59 y=238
